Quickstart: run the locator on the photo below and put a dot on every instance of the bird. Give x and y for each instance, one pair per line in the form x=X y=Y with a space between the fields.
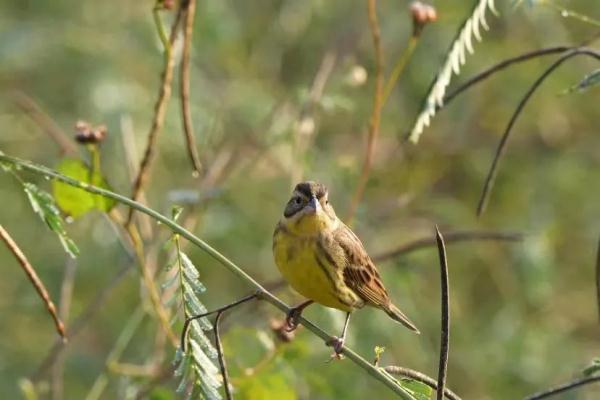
x=324 y=261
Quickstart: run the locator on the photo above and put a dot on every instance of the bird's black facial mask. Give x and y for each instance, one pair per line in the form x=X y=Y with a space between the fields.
x=296 y=203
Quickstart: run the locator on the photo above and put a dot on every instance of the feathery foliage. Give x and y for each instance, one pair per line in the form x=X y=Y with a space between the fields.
x=199 y=376
x=43 y=204
x=455 y=58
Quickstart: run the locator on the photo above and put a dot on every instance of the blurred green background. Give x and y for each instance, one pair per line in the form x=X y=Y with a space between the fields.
x=523 y=314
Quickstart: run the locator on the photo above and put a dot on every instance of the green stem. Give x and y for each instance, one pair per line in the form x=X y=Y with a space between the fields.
x=399 y=67
x=120 y=346
x=162 y=33
x=264 y=294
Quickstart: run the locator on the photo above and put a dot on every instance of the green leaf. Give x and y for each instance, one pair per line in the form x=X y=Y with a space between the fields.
x=44 y=206
x=418 y=390
x=591 y=79
x=161 y=393
x=267 y=386
x=593 y=368
x=75 y=201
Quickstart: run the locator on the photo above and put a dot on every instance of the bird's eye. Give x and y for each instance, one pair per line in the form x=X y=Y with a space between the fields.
x=297 y=200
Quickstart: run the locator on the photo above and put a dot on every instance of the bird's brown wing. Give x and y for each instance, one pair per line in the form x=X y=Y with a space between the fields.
x=360 y=274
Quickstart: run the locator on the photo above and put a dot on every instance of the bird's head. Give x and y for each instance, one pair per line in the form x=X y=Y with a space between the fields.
x=308 y=211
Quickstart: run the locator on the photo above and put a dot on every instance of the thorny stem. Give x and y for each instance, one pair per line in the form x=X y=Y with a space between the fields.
x=184 y=90
x=420 y=377
x=160 y=108
x=491 y=177
x=372 y=370
x=35 y=281
x=445 y=329
x=375 y=114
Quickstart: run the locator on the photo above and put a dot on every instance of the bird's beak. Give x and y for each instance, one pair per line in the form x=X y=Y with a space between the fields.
x=313 y=206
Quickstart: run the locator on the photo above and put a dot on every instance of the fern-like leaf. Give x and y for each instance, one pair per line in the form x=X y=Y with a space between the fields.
x=455 y=58
x=196 y=368
x=43 y=205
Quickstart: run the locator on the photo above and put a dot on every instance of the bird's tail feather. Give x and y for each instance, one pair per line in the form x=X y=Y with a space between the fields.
x=399 y=316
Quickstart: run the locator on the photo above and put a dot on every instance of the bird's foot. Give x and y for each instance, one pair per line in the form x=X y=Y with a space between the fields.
x=293 y=318
x=338 y=348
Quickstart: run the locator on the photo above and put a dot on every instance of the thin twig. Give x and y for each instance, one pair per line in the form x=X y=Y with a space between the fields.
x=598 y=277
x=359 y=361
x=420 y=377
x=159 y=309
x=376 y=112
x=80 y=322
x=564 y=387
x=226 y=307
x=399 y=67
x=184 y=90
x=45 y=122
x=449 y=237
x=133 y=323
x=221 y=357
x=64 y=308
x=160 y=110
x=305 y=125
x=483 y=75
x=445 y=335
x=35 y=280
x=491 y=177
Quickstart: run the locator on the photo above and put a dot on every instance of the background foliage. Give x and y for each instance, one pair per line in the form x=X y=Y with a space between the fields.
x=523 y=314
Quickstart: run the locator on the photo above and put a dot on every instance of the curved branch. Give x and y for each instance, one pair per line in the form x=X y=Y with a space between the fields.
x=445 y=325
x=489 y=181
x=35 y=281
x=420 y=377
x=450 y=237
x=563 y=388
x=499 y=67
x=372 y=370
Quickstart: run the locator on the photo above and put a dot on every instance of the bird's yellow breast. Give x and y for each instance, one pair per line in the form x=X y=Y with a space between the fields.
x=297 y=260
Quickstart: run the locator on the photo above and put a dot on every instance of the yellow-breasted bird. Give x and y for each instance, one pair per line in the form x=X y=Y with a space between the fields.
x=323 y=260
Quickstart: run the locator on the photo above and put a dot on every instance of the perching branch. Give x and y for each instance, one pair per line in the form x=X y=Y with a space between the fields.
x=35 y=280
x=184 y=81
x=491 y=177
x=160 y=110
x=375 y=114
x=564 y=387
x=450 y=237
x=420 y=377
x=445 y=294
x=372 y=370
